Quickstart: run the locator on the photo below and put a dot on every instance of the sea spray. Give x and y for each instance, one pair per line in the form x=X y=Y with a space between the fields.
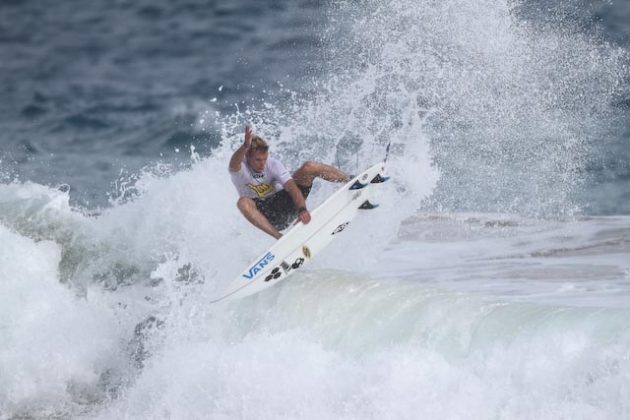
x=514 y=110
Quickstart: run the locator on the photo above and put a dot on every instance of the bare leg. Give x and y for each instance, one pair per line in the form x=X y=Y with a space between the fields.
x=311 y=170
x=248 y=208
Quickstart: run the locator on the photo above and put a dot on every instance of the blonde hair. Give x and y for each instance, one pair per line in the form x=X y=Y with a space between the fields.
x=258 y=145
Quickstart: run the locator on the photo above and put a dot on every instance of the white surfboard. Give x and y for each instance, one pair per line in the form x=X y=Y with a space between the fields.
x=303 y=242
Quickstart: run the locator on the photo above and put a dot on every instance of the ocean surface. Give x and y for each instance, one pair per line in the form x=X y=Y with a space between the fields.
x=493 y=282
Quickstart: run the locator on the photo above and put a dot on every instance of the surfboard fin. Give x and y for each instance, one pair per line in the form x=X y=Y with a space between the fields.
x=357 y=185
x=367 y=205
x=378 y=179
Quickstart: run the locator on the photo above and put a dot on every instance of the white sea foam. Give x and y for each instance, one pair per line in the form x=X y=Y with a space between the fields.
x=53 y=345
x=434 y=326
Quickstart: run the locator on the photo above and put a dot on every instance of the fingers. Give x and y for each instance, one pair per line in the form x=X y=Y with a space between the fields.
x=248 y=135
x=304 y=217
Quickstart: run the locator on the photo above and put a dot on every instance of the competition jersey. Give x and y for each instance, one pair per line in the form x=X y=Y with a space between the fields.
x=263 y=185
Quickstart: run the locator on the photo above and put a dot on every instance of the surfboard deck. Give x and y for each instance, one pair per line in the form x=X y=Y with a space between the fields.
x=303 y=242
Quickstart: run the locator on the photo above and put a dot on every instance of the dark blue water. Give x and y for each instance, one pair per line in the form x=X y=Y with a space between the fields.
x=92 y=91
x=89 y=89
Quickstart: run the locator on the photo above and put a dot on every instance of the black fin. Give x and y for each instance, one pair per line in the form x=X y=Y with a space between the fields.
x=378 y=179
x=357 y=186
x=367 y=205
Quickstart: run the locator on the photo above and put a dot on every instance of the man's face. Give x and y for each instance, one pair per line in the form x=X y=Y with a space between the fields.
x=257 y=160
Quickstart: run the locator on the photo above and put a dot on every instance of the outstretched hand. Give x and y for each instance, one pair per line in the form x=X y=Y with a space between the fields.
x=248 y=136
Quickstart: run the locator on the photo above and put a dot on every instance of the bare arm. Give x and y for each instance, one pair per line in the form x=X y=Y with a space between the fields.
x=239 y=154
x=298 y=200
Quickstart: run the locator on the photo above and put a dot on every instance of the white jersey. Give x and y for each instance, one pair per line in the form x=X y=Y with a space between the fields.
x=262 y=185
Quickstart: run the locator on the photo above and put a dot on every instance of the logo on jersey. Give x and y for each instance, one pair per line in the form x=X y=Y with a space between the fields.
x=261 y=189
x=256 y=268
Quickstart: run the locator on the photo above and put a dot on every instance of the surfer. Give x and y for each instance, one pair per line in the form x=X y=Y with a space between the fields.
x=269 y=197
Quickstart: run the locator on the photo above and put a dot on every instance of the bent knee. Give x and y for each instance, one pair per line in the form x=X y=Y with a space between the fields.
x=244 y=203
x=307 y=172
x=310 y=167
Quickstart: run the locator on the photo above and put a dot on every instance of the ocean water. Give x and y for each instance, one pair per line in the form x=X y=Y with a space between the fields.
x=493 y=282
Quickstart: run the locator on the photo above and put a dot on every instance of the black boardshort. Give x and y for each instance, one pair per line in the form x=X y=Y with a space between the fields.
x=279 y=209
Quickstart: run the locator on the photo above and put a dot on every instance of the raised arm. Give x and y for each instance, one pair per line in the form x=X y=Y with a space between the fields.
x=239 y=154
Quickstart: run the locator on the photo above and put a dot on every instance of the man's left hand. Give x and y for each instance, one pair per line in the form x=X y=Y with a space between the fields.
x=304 y=216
